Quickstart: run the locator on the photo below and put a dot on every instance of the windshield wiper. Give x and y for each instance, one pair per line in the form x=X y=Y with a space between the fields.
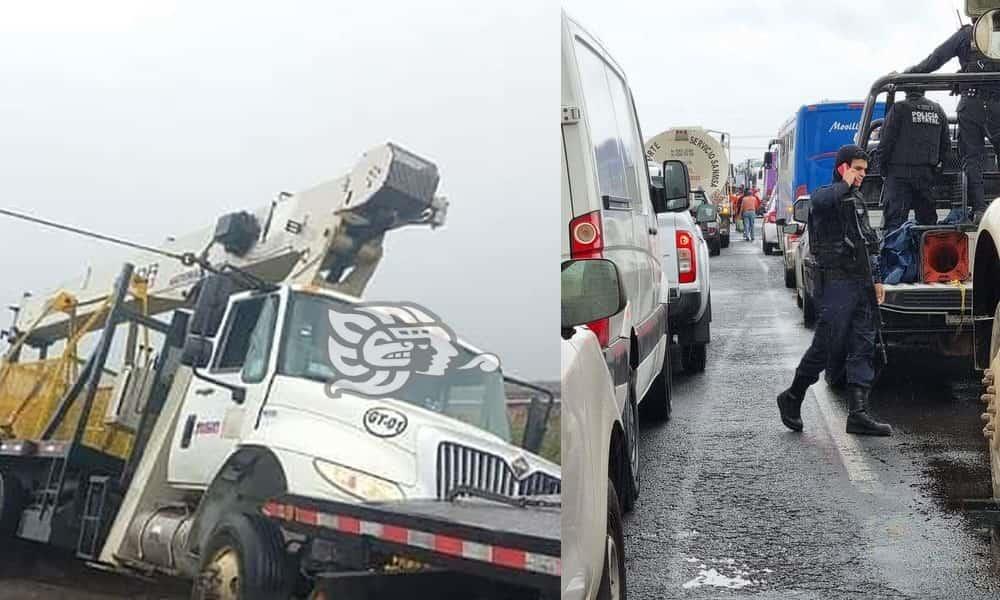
x=517 y=502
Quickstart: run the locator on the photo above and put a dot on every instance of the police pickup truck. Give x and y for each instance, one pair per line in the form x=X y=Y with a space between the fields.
x=931 y=309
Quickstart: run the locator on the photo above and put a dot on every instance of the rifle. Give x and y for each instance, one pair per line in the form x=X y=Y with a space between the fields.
x=859 y=207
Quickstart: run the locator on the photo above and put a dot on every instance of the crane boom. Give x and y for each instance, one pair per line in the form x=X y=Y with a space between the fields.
x=329 y=235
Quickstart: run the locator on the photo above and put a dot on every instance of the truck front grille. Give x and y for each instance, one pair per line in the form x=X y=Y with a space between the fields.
x=461 y=466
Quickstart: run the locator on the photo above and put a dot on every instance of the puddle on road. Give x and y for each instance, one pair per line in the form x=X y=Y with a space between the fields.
x=724 y=573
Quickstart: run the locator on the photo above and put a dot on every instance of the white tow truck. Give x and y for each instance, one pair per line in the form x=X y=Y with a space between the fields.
x=258 y=442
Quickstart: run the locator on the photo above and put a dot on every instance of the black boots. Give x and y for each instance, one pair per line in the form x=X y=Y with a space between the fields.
x=790 y=407
x=858 y=420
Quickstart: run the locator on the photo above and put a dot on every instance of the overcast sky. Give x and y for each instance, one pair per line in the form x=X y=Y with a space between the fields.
x=148 y=119
x=745 y=66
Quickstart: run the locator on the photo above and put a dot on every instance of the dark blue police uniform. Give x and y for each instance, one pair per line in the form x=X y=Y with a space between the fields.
x=978 y=110
x=845 y=248
x=915 y=140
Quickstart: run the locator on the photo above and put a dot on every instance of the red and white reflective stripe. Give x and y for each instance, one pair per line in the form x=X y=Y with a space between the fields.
x=443 y=544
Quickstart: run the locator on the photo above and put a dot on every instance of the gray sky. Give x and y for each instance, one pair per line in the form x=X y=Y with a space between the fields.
x=745 y=66
x=154 y=118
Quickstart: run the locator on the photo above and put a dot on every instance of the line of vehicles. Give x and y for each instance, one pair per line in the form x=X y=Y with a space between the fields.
x=636 y=296
x=211 y=444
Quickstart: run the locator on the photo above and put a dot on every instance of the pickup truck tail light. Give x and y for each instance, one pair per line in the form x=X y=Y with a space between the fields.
x=687 y=262
x=944 y=256
x=586 y=240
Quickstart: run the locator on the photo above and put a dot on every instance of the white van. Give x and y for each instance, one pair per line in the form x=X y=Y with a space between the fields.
x=607 y=212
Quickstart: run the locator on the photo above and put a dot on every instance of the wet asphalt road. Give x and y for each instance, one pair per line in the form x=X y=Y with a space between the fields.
x=735 y=505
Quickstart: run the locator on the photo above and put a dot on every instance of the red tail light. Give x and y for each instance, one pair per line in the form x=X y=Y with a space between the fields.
x=945 y=256
x=801 y=190
x=586 y=240
x=687 y=267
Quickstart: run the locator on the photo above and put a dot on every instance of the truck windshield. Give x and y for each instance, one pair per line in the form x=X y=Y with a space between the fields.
x=472 y=395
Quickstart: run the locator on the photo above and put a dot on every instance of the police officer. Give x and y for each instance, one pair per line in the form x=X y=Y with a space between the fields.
x=978 y=110
x=842 y=242
x=914 y=143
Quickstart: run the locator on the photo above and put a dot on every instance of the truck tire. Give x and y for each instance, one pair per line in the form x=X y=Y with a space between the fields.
x=808 y=310
x=612 y=586
x=657 y=403
x=694 y=357
x=244 y=559
x=12 y=502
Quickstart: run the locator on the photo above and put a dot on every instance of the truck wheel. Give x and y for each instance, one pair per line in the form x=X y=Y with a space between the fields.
x=244 y=559
x=694 y=357
x=657 y=404
x=613 y=579
x=633 y=477
x=808 y=310
x=12 y=501
x=790 y=278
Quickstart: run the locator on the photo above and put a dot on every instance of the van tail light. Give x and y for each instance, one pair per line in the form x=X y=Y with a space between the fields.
x=944 y=256
x=586 y=240
x=687 y=267
x=772 y=217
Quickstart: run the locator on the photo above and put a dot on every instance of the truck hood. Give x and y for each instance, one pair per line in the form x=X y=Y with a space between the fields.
x=388 y=438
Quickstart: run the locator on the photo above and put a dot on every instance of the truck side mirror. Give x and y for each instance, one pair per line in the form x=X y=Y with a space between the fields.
x=800 y=211
x=210 y=305
x=197 y=352
x=986 y=34
x=768 y=160
x=676 y=187
x=591 y=290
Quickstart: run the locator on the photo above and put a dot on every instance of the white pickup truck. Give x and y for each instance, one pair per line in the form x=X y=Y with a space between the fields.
x=687 y=282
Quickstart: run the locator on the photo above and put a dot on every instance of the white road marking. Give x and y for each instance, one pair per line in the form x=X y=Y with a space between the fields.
x=851 y=453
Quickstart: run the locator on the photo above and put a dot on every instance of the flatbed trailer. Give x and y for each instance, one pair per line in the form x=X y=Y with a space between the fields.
x=465 y=548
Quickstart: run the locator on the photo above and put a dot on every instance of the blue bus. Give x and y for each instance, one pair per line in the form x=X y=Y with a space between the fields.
x=807 y=145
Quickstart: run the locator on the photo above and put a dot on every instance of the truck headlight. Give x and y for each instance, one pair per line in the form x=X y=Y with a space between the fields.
x=358 y=484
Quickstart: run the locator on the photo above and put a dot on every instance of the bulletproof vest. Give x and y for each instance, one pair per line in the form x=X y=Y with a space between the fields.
x=919 y=133
x=838 y=243
x=977 y=62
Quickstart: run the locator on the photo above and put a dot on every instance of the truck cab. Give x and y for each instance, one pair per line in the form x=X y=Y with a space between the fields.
x=309 y=375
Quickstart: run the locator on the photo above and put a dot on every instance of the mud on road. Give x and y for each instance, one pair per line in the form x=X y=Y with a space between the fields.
x=34 y=572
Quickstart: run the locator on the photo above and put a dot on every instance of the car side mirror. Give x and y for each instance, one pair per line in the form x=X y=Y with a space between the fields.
x=800 y=211
x=591 y=290
x=676 y=187
x=197 y=352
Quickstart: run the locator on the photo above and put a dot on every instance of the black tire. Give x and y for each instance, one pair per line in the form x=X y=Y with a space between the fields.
x=632 y=474
x=790 y=278
x=657 y=403
x=613 y=585
x=808 y=310
x=725 y=242
x=715 y=249
x=798 y=299
x=12 y=501
x=694 y=358
x=262 y=566
x=765 y=246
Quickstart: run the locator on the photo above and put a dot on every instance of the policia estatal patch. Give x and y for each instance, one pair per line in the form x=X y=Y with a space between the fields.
x=921 y=117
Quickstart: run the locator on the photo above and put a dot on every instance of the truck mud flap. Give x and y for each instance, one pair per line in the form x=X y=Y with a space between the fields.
x=518 y=546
